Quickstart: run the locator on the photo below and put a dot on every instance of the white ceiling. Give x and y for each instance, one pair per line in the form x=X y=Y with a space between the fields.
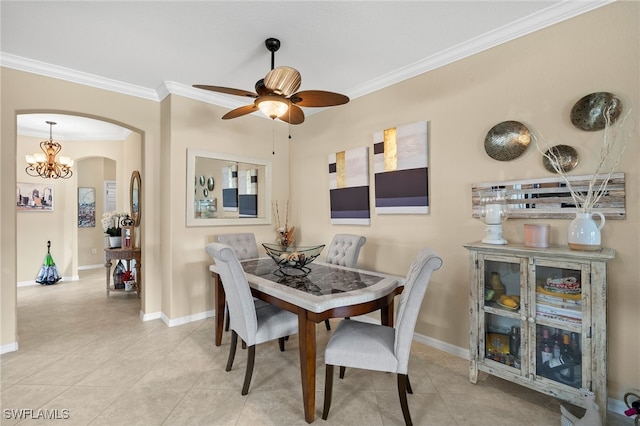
x=152 y=48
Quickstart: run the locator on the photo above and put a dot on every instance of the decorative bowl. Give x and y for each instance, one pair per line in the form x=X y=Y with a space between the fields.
x=292 y=260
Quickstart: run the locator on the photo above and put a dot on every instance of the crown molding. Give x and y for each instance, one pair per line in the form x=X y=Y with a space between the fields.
x=206 y=96
x=554 y=14
x=545 y=18
x=66 y=74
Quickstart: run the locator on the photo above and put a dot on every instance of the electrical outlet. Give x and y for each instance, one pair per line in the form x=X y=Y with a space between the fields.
x=94 y=251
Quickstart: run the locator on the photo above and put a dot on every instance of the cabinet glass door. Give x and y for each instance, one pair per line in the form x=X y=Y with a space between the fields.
x=501 y=287
x=558 y=298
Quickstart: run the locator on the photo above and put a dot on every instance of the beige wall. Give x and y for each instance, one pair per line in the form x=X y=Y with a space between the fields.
x=535 y=79
x=196 y=125
x=29 y=93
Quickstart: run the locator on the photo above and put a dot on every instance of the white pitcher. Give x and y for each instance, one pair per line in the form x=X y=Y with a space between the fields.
x=584 y=233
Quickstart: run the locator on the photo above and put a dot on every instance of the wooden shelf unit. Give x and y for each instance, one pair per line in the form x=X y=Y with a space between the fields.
x=561 y=291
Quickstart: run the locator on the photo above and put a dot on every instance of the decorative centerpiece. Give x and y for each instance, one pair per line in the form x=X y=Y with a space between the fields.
x=285 y=232
x=129 y=281
x=111 y=227
x=584 y=232
x=292 y=260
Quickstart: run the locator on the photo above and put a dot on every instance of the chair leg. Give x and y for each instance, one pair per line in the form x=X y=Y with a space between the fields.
x=409 y=390
x=342 y=370
x=327 y=324
x=232 y=350
x=328 y=390
x=281 y=343
x=226 y=317
x=244 y=344
x=251 y=357
x=402 y=393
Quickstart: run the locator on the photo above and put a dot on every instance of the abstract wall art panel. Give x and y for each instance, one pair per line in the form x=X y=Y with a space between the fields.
x=248 y=192
x=349 y=187
x=230 y=188
x=400 y=164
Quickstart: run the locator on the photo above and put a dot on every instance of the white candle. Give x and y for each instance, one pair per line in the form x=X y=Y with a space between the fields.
x=493 y=216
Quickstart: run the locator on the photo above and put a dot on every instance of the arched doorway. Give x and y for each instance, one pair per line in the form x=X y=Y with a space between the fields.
x=103 y=150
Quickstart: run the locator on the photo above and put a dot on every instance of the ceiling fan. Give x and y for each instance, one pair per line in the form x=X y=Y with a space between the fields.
x=276 y=94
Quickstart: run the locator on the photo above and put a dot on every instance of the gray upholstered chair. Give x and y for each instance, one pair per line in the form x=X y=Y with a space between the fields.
x=378 y=347
x=245 y=246
x=344 y=251
x=254 y=325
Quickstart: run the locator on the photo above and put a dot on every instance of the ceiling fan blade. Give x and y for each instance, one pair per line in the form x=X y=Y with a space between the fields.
x=318 y=98
x=227 y=90
x=239 y=112
x=295 y=115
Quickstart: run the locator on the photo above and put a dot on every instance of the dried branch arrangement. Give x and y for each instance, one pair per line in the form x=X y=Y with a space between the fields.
x=613 y=145
x=285 y=232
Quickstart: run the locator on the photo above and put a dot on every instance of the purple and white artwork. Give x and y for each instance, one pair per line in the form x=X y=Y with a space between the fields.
x=349 y=187
x=401 y=169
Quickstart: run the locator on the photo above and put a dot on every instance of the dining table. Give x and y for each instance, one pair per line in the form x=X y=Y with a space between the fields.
x=327 y=291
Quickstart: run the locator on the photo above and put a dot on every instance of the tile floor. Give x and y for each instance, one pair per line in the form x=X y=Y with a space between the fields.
x=93 y=357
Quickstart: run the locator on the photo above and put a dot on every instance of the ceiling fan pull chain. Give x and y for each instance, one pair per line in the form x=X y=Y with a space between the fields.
x=273 y=137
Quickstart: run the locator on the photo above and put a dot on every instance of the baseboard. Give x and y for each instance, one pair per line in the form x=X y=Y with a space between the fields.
x=32 y=283
x=150 y=317
x=10 y=347
x=443 y=346
x=187 y=319
x=617 y=406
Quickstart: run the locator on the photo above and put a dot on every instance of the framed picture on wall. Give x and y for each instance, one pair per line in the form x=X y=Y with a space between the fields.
x=86 y=207
x=37 y=197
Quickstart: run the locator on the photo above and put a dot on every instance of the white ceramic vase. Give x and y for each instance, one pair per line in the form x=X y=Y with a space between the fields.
x=584 y=232
x=115 y=242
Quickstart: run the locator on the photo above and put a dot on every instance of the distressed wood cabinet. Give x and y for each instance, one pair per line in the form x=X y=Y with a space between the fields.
x=538 y=317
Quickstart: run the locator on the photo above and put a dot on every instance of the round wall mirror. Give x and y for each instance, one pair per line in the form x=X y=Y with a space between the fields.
x=135 y=198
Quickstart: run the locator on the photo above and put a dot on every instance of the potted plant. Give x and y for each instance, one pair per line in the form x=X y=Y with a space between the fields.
x=129 y=282
x=111 y=227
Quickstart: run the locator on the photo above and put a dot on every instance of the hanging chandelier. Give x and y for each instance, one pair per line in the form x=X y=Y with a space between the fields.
x=45 y=164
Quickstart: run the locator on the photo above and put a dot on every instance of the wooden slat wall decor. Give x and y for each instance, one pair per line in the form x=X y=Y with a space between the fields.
x=549 y=197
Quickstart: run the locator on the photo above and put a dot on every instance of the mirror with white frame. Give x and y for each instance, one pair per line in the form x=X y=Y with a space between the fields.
x=225 y=189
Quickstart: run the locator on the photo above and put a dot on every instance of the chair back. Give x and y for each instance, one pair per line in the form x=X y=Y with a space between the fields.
x=345 y=249
x=411 y=298
x=244 y=244
x=243 y=318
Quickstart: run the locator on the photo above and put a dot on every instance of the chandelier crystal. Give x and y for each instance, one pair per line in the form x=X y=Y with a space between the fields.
x=45 y=164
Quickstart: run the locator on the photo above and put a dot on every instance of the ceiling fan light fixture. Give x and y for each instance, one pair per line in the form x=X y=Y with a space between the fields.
x=277 y=94
x=272 y=106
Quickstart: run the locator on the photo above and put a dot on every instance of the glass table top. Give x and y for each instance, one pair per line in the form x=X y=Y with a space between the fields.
x=322 y=280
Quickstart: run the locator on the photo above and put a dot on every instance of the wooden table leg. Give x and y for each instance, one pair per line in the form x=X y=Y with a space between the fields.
x=219 y=306
x=138 y=267
x=307 y=343
x=386 y=314
x=107 y=266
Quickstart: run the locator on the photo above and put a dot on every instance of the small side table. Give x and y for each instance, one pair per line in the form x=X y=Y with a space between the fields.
x=125 y=254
